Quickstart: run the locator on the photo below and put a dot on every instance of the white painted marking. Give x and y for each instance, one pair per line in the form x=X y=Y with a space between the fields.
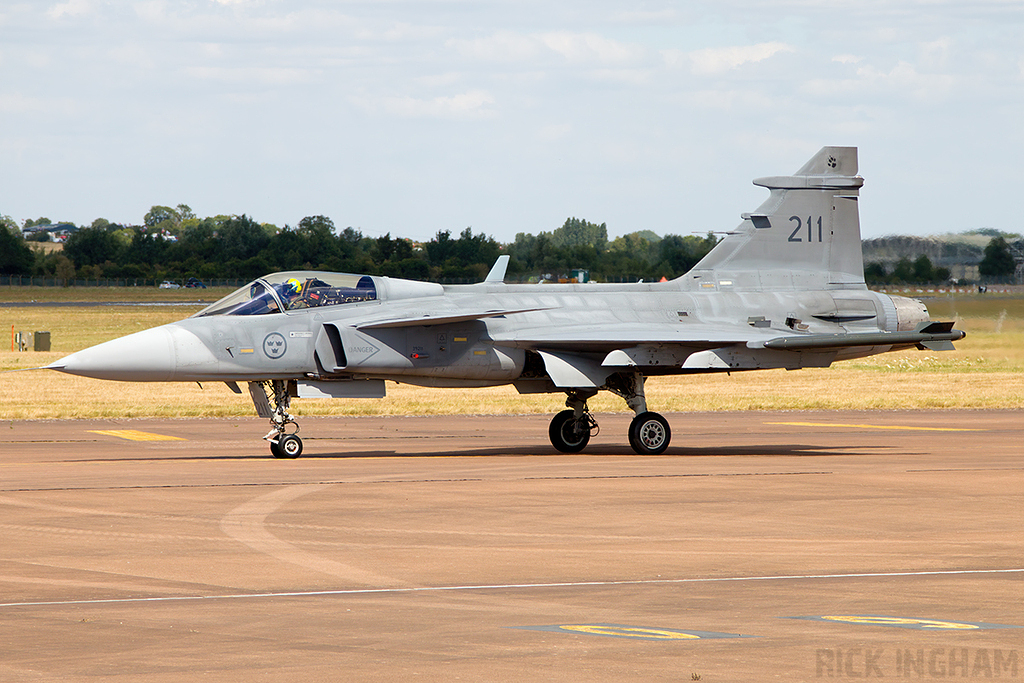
x=246 y=524
x=506 y=586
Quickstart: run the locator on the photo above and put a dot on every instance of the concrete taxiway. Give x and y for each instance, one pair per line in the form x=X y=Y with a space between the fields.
x=790 y=545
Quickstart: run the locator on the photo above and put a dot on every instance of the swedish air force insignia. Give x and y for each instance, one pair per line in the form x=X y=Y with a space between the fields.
x=274 y=345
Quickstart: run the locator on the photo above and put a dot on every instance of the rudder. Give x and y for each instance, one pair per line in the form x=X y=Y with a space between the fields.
x=805 y=236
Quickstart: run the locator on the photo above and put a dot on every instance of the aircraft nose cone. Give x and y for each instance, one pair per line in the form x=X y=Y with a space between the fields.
x=140 y=357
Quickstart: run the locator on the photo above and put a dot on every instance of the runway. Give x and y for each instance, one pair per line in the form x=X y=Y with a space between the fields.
x=762 y=545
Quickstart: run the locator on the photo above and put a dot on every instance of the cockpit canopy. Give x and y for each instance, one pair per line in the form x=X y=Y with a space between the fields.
x=293 y=290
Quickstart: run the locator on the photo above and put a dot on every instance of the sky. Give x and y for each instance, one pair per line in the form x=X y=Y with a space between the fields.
x=413 y=117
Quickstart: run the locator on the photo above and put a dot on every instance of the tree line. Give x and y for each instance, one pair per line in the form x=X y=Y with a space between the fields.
x=173 y=243
x=997 y=264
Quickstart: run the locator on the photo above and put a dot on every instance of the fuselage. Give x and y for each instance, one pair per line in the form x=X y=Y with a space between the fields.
x=388 y=336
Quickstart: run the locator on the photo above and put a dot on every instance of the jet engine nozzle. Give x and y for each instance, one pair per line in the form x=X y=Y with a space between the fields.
x=909 y=313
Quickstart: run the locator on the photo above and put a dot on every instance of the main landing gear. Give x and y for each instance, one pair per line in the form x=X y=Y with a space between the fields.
x=570 y=430
x=649 y=433
x=272 y=400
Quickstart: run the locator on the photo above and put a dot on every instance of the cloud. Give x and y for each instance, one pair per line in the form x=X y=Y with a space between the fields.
x=273 y=76
x=473 y=104
x=726 y=100
x=573 y=47
x=716 y=60
x=589 y=48
x=935 y=54
x=905 y=78
x=503 y=46
x=901 y=82
x=70 y=8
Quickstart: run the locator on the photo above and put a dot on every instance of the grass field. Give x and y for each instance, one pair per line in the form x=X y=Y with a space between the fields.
x=986 y=371
x=112 y=294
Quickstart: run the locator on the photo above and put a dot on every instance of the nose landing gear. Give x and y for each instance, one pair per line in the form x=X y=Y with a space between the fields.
x=275 y=393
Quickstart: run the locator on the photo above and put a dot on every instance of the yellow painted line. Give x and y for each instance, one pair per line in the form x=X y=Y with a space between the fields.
x=856 y=426
x=247 y=350
x=134 y=435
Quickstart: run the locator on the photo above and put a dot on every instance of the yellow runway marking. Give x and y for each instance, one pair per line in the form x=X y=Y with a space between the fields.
x=133 y=435
x=901 y=621
x=630 y=632
x=856 y=426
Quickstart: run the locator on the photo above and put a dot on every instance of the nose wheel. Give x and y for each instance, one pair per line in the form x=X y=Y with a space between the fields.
x=272 y=400
x=287 y=446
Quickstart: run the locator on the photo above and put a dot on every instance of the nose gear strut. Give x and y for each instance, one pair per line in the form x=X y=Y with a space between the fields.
x=272 y=401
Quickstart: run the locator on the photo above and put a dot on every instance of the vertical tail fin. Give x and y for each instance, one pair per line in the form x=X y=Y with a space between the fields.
x=805 y=236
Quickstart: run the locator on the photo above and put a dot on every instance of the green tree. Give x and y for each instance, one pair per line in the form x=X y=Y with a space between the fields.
x=319 y=240
x=240 y=237
x=185 y=212
x=16 y=257
x=924 y=271
x=998 y=261
x=680 y=254
x=162 y=214
x=575 y=233
x=91 y=246
x=65 y=270
x=875 y=274
x=904 y=271
x=146 y=248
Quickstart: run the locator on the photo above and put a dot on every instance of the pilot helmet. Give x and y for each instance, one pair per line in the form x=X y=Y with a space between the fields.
x=292 y=286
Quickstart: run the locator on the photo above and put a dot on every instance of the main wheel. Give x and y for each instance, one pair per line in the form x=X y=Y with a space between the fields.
x=649 y=434
x=568 y=434
x=288 y=446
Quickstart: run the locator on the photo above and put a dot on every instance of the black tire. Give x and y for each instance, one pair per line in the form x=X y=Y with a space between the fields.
x=649 y=434
x=288 y=446
x=568 y=434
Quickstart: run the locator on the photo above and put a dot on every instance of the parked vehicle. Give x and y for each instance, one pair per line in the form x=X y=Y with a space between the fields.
x=167 y=284
x=195 y=283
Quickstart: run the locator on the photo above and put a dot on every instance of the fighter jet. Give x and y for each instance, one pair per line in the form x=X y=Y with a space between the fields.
x=784 y=289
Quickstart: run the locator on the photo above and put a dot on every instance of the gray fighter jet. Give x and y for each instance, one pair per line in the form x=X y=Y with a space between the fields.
x=785 y=289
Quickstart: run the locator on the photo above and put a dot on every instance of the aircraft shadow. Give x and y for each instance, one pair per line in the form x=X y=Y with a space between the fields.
x=777 y=450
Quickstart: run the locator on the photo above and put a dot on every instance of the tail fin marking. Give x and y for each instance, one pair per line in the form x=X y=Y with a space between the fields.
x=806 y=235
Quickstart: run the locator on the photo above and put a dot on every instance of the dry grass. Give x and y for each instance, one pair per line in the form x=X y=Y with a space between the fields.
x=111 y=294
x=986 y=371
x=47 y=247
